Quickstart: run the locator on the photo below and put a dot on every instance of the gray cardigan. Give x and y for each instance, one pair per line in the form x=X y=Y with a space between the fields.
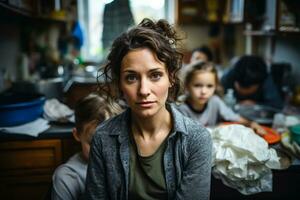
x=187 y=159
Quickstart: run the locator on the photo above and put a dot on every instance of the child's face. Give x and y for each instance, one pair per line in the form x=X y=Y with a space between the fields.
x=201 y=87
x=198 y=56
x=85 y=137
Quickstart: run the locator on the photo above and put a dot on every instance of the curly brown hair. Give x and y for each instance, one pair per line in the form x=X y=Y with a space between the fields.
x=159 y=37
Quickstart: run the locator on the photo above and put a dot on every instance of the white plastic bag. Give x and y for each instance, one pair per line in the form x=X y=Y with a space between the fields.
x=242 y=159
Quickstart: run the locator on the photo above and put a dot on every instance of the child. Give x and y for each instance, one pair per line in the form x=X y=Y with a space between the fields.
x=202 y=53
x=203 y=105
x=69 y=178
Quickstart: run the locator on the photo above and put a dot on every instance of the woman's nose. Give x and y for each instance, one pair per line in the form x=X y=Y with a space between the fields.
x=144 y=89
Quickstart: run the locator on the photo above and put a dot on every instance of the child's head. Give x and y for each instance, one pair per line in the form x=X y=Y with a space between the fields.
x=89 y=112
x=201 y=54
x=158 y=37
x=201 y=82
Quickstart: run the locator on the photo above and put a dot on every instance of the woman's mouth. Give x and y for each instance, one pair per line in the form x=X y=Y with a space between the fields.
x=146 y=104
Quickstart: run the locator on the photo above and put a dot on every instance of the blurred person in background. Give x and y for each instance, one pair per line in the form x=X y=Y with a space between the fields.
x=251 y=82
x=202 y=53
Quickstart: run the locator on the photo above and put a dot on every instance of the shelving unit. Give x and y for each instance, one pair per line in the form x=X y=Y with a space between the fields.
x=271 y=28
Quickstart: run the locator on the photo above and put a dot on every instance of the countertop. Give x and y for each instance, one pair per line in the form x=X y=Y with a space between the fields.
x=56 y=131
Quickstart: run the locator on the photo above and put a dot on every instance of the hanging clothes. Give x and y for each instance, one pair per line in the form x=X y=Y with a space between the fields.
x=117 y=18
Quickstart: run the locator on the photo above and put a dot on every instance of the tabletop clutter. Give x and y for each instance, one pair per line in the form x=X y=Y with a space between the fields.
x=242 y=159
x=52 y=111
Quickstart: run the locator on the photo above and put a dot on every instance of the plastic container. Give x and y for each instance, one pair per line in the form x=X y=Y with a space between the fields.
x=295 y=133
x=279 y=123
x=16 y=109
x=229 y=98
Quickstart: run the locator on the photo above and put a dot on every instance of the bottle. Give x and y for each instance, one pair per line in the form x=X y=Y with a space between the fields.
x=278 y=123
x=229 y=98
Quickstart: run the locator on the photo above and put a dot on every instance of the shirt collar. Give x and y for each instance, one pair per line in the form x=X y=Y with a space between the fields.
x=124 y=120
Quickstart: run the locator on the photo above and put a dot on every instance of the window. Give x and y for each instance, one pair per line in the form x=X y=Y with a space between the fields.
x=90 y=14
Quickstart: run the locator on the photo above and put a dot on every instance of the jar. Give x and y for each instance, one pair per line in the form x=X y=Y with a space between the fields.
x=295 y=133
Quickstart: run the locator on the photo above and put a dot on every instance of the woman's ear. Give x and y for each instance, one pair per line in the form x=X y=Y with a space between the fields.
x=76 y=134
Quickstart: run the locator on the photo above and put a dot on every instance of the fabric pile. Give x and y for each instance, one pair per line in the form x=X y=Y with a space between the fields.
x=56 y=111
x=242 y=159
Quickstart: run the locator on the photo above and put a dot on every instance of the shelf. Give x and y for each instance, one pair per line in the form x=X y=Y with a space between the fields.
x=260 y=33
x=8 y=11
x=287 y=29
x=273 y=33
x=16 y=10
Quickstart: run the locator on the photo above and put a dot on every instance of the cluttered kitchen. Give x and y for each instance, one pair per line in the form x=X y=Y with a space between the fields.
x=131 y=99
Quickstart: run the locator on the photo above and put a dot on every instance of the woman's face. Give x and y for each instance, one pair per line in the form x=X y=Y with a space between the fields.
x=201 y=87
x=144 y=82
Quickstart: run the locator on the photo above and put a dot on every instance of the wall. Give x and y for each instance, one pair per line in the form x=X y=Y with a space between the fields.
x=197 y=35
x=288 y=50
x=9 y=48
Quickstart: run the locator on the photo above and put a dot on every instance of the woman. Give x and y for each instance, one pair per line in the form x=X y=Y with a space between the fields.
x=150 y=151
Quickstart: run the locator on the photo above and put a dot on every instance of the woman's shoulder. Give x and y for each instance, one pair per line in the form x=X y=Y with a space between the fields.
x=113 y=124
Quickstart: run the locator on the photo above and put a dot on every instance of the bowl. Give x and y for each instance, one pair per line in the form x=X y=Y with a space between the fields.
x=16 y=109
x=295 y=133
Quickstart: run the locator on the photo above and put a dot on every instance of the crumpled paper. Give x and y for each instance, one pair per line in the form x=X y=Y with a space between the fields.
x=242 y=159
x=56 y=111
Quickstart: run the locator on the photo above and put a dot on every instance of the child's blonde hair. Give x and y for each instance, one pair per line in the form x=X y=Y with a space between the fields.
x=204 y=67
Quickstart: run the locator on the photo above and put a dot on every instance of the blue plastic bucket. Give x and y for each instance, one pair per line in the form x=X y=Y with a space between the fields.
x=16 y=109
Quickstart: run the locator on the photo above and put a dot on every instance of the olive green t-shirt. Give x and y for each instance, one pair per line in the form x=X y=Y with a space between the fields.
x=146 y=174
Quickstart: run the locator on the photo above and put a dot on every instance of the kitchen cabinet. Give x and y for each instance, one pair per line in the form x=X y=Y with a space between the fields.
x=279 y=19
x=199 y=11
x=27 y=164
x=190 y=12
x=209 y=11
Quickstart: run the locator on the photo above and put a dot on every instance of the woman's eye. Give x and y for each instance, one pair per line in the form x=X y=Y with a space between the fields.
x=131 y=78
x=156 y=76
